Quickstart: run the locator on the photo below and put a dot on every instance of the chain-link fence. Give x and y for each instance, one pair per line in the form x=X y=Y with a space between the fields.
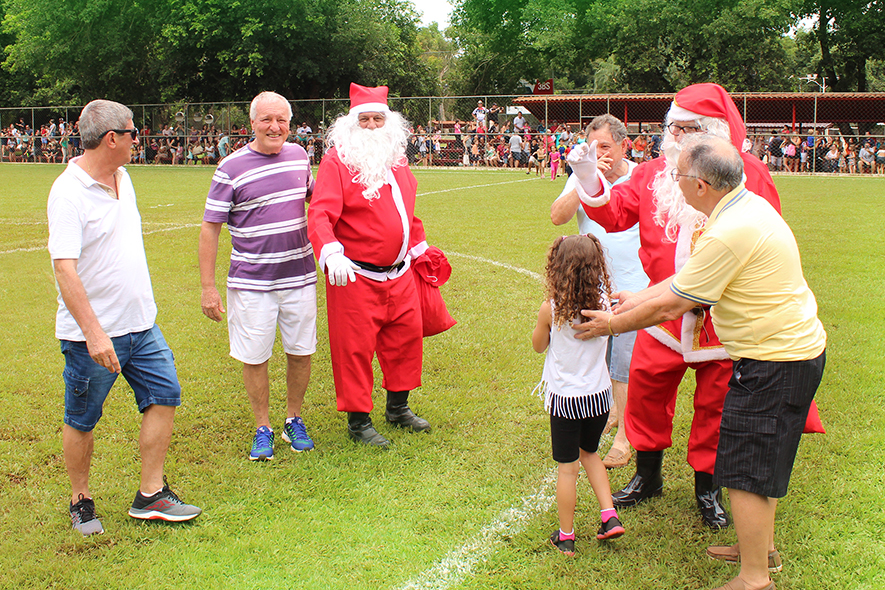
x=821 y=134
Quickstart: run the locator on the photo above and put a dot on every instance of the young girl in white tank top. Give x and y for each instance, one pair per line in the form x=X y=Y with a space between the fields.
x=575 y=383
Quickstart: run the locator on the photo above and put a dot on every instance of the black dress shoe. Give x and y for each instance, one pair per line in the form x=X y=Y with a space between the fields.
x=638 y=490
x=712 y=510
x=399 y=414
x=406 y=418
x=366 y=434
x=647 y=483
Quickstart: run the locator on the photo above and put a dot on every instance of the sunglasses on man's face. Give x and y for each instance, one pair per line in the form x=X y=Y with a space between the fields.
x=133 y=133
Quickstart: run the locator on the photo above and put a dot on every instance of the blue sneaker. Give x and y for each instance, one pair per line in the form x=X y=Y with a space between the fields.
x=262 y=445
x=296 y=433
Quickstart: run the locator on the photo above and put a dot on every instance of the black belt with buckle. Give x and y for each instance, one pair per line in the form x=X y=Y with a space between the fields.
x=379 y=269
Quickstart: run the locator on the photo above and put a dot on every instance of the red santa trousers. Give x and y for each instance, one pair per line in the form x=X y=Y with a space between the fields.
x=368 y=317
x=655 y=373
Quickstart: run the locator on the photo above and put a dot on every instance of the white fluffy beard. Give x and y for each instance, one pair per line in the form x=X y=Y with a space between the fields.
x=671 y=210
x=370 y=153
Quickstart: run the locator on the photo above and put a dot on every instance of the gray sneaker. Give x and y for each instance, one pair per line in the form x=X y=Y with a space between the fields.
x=164 y=505
x=83 y=518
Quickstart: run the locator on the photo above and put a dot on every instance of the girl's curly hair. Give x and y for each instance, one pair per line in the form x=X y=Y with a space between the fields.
x=577 y=277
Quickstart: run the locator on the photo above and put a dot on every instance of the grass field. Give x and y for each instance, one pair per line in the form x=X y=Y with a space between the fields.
x=467 y=506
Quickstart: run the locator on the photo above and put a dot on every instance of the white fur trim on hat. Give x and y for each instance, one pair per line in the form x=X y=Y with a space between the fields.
x=677 y=113
x=370 y=107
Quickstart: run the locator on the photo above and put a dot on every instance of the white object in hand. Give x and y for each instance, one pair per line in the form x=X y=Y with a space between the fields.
x=582 y=160
x=339 y=269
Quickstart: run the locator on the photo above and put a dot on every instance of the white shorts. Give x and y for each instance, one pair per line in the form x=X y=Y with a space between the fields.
x=253 y=317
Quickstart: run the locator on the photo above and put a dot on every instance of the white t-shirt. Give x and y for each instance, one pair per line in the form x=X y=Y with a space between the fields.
x=103 y=233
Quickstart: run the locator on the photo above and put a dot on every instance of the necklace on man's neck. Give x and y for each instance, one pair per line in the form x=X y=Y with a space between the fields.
x=87 y=166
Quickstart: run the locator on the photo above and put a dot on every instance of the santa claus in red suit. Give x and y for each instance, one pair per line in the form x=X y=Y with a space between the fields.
x=668 y=229
x=363 y=228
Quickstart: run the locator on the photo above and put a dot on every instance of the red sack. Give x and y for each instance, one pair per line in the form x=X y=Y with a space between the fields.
x=431 y=270
x=812 y=422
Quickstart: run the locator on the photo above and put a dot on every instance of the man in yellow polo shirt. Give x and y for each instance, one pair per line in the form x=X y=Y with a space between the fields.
x=746 y=267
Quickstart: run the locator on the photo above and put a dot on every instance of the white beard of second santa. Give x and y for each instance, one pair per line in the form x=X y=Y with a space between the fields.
x=370 y=154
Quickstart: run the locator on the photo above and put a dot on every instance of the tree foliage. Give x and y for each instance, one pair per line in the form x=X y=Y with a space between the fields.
x=636 y=45
x=848 y=33
x=139 y=51
x=211 y=50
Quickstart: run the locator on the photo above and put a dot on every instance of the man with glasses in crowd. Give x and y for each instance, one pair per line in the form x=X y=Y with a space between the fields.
x=106 y=315
x=668 y=228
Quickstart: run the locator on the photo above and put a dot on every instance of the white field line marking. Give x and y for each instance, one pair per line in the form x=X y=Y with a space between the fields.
x=147 y=233
x=43 y=221
x=173 y=228
x=462 y=188
x=521 y=271
x=449 y=571
x=458 y=564
x=7 y=222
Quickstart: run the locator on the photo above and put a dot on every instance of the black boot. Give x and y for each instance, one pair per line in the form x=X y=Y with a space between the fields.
x=360 y=429
x=710 y=501
x=647 y=483
x=399 y=414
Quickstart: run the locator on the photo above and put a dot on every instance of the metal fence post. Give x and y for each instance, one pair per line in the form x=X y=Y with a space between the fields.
x=814 y=150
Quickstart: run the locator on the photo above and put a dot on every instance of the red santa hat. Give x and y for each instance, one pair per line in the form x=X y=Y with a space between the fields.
x=365 y=99
x=708 y=100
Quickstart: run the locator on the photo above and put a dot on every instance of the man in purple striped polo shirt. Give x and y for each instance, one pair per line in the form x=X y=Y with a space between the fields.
x=260 y=191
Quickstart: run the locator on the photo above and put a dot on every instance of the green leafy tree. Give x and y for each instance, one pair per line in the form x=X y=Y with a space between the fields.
x=624 y=45
x=496 y=52
x=848 y=33
x=439 y=54
x=663 y=45
x=75 y=50
x=211 y=50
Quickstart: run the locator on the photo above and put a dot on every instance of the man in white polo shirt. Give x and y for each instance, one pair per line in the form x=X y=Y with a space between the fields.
x=106 y=315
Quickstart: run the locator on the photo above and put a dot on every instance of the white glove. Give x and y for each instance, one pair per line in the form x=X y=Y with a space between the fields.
x=582 y=159
x=339 y=268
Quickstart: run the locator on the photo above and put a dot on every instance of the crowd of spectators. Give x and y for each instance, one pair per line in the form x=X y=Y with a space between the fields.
x=787 y=151
x=58 y=142
x=488 y=139
x=55 y=141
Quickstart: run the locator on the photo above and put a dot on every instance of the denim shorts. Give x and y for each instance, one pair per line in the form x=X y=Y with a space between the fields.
x=145 y=361
x=618 y=356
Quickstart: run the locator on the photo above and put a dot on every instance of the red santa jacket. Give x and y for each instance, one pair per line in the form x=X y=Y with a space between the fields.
x=370 y=231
